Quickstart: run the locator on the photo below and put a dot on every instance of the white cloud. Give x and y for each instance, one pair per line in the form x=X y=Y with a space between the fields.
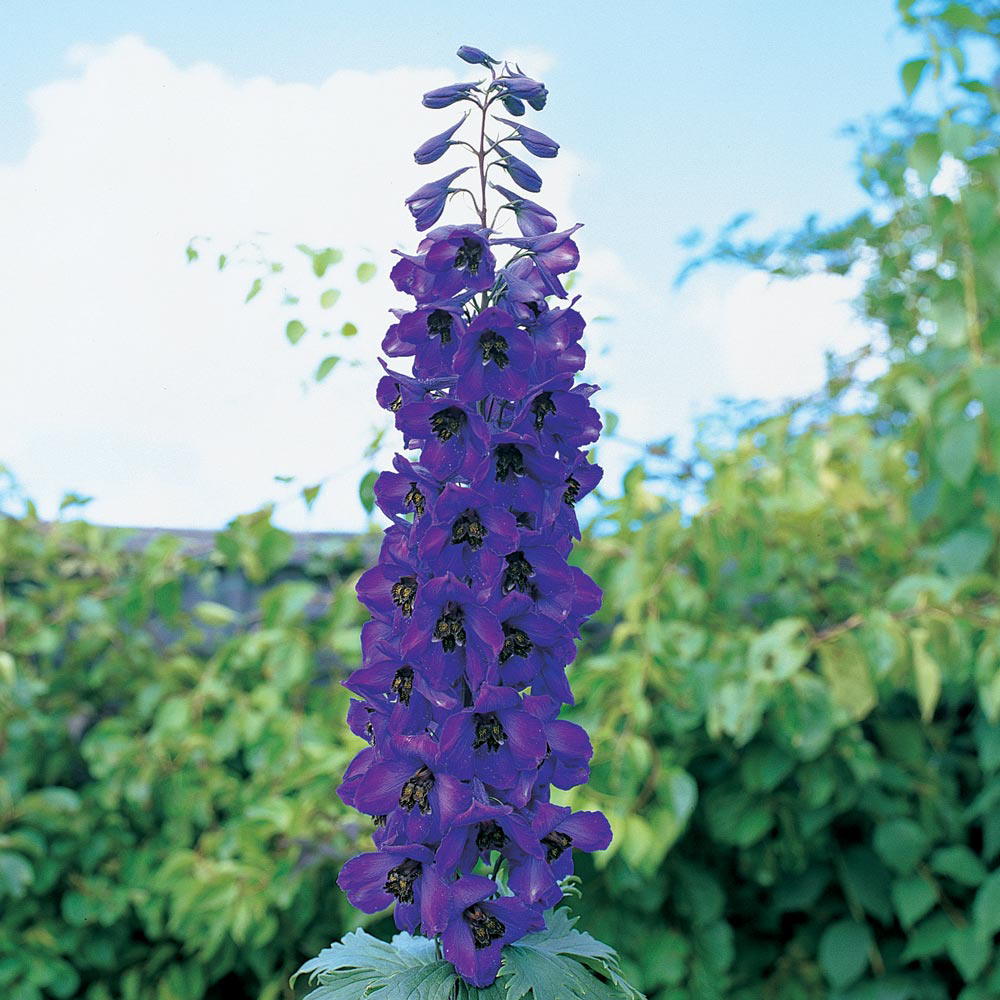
x=128 y=374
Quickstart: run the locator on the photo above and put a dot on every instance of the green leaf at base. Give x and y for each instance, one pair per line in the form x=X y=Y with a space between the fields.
x=559 y=963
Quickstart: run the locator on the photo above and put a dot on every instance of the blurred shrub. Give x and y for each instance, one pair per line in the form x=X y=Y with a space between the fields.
x=168 y=819
x=796 y=691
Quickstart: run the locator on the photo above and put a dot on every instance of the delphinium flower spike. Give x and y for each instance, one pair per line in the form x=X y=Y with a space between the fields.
x=474 y=608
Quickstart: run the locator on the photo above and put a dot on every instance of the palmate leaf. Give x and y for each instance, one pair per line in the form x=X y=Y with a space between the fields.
x=559 y=963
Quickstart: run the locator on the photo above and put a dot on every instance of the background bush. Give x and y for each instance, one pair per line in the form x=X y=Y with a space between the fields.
x=794 y=691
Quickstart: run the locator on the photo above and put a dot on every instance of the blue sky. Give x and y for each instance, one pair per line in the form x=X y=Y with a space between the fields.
x=674 y=115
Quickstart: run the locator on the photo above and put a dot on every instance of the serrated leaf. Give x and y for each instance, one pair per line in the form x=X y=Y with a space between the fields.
x=366 y=271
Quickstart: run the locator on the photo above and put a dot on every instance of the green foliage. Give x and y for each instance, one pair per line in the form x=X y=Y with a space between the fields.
x=815 y=650
x=559 y=963
x=170 y=742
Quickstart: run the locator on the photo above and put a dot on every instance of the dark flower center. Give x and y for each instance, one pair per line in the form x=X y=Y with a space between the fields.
x=439 y=324
x=541 y=407
x=572 y=491
x=404 y=590
x=401 y=879
x=524 y=519
x=402 y=684
x=447 y=423
x=490 y=837
x=468 y=528
x=415 y=499
x=515 y=643
x=489 y=732
x=509 y=460
x=555 y=843
x=416 y=791
x=485 y=928
x=517 y=575
x=469 y=255
x=398 y=401
x=494 y=348
x=380 y=819
x=450 y=628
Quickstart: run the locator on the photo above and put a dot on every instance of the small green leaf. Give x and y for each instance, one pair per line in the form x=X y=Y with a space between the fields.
x=212 y=613
x=222 y=261
x=913 y=898
x=366 y=490
x=295 y=331
x=610 y=422
x=843 y=952
x=309 y=494
x=192 y=254
x=16 y=874
x=348 y=330
x=970 y=951
x=366 y=271
x=329 y=298
x=959 y=863
x=956 y=452
x=326 y=366
x=911 y=73
x=928 y=674
x=73 y=500
x=929 y=938
x=986 y=907
x=901 y=843
x=254 y=289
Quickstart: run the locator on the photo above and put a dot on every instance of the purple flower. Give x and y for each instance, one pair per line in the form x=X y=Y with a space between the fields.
x=461 y=259
x=395 y=873
x=427 y=203
x=413 y=790
x=532 y=219
x=514 y=105
x=555 y=252
x=469 y=535
x=520 y=173
x=430 y=335
x=526 y=89
x=453 y=618
x=533 y=141
x=435 y=147
x=558 y=830
x=454 y=437
x=559 y=415
x=494 y=358
x=443 y=97
x=475 y=610
x=474 y=927
x=499 y=736
x=475 y=56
